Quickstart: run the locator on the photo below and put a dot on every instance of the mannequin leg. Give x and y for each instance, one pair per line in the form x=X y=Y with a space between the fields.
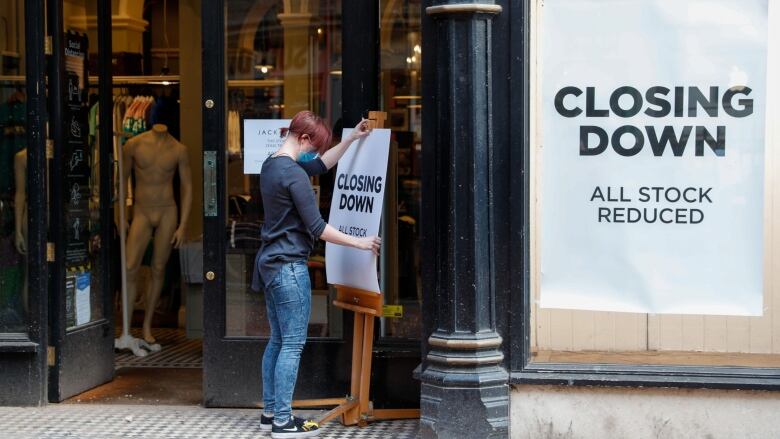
x=162 y=251
x=137 y=239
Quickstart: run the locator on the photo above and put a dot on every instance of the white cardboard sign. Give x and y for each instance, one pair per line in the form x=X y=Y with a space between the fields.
x=356 y=209
x=652 y=155
x=83 y=298
x=262 y=138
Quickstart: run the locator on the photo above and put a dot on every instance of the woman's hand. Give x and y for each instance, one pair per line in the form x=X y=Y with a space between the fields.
x=373 y=243
x=361 y=130
x=333 y=155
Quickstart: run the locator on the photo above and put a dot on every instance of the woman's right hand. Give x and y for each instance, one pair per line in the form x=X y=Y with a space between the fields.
x=361 y=130
x=373 y=243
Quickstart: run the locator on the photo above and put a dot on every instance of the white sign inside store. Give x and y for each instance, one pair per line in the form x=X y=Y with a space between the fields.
x=262 y=138
x=356 y=209
x=651 y=155
x=83 y=298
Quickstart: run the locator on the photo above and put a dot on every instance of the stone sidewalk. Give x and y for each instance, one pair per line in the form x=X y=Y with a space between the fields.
x=96 y=421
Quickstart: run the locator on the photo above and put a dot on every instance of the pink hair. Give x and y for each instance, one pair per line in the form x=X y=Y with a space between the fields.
x=307 y=123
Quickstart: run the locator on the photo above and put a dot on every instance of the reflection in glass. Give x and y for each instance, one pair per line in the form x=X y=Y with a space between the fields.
x=13 y=174
x=401 y=59
x=279 y=63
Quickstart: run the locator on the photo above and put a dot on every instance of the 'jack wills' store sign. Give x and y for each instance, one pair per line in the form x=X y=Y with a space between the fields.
x=651 y=155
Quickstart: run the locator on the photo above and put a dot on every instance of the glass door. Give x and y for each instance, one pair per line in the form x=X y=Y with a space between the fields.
x=264 y=60
x=81 y=306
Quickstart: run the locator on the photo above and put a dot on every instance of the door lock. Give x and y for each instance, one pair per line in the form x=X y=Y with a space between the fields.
x=210 y=275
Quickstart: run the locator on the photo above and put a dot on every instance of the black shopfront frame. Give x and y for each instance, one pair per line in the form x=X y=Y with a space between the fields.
x=24 y=360
x=23 y=357
x=50 y=362
x=325 y=363
x=38 y=366
x=516 y=57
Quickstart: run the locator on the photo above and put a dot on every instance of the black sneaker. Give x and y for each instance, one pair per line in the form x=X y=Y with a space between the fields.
x=266 y=422
x=295 y=428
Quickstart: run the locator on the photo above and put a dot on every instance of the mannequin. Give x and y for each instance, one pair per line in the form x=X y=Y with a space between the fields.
x=20 y=201
x=154 y=156
x=20 y=214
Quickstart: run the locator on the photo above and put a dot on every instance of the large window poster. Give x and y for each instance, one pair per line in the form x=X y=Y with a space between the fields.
x=652 y=152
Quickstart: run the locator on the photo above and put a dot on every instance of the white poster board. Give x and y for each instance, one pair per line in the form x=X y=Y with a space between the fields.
x=651 y=155
x=356 y=209
x=262 y=138
x=83 y=298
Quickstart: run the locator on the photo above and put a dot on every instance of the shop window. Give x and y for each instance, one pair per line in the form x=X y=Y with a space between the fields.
x=401 y=94
x=279 y=62
x=14 y=295
x=650 y=321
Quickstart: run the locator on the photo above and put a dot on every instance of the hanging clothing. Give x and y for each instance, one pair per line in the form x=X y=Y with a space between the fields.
x=234 y=134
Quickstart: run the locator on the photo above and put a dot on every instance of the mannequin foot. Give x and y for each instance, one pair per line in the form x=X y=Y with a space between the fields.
x=148 y=336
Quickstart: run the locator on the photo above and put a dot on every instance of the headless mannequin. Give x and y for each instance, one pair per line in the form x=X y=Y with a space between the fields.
x=20 y=201
x=154 y=157
x=20 y=211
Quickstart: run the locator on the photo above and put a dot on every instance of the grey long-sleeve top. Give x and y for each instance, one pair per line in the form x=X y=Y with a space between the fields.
x=292 y=220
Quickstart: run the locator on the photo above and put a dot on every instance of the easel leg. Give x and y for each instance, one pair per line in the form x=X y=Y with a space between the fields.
x=352 y=416
x=365 y=372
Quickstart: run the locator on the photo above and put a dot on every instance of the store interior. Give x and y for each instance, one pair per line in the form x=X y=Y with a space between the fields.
x=277 y=64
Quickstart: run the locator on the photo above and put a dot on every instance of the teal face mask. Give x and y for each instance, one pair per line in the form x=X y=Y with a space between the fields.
x=307 y=157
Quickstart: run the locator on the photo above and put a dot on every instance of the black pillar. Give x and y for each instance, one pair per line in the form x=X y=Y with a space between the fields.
x=465 y=391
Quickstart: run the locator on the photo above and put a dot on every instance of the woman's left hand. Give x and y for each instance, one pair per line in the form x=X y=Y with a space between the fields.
x=361 y=130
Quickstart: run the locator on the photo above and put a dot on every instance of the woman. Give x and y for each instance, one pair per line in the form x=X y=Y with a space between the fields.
x=292 y=223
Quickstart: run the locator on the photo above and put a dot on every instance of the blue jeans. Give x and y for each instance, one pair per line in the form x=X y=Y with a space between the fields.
x=288 y=304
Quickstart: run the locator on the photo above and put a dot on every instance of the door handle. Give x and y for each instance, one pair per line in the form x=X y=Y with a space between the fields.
x=210 y=275
x=210 y=183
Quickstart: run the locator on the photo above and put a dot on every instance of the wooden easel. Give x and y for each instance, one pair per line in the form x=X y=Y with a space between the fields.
x=357 y=408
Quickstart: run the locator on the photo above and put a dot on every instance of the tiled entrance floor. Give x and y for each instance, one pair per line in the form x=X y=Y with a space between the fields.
x=97 y=421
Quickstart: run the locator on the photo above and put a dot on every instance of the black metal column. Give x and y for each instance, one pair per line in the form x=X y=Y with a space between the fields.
x=465 y=391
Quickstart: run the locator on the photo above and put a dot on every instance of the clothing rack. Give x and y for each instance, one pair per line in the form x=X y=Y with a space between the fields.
x=124 y=81
x=163 y=80
x=254 y=83
x=12 y=81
